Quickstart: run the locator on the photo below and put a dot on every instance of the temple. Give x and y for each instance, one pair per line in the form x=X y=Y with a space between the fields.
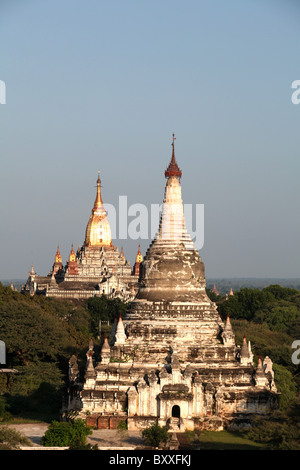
x=172 y=360
x=96 y=268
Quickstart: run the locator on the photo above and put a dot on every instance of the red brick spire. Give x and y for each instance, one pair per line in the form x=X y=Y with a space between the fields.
x=173 y=169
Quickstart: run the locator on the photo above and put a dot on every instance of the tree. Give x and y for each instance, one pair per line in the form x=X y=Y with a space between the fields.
x=40 y=334
x=102 y=308
x=155 y=435
x=280 y=292
x=278 y=316
x=11 y=439
x=286 y=386
x=280 y=431
x=65 y=434
x=213 y=297
x=244 y=303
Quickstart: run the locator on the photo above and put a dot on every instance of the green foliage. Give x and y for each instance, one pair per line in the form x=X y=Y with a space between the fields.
x=281 y=431
x=278 y=316
x=11 y=439
x=282 y=293
x=213 y=297
x=155 y=435
x=102 y=308
x=244 y=303
x=37 y=328
x=274 y=305
x=270 y=318
x=227 y=440
x=278 y=347
x=273 y=320
x=286 y=385
x=265 y=342
x=122 y=426
x=4 y=413
x=65 y=434
x=29 y=397
x=192 y=436
x=41 y=334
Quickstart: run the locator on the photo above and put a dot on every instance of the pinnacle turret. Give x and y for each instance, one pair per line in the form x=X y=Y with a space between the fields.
x=105 y=351
x=173 y=169
x=120 y=332
x=98 y=232
x=172 y=269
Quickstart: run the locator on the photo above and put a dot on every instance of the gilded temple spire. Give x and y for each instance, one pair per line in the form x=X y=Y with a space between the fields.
x=58 y=256
x=72 y=256
x=139 y=256
x=98 y=200
x=138 y=261
x=98 y=232
x=57 y=262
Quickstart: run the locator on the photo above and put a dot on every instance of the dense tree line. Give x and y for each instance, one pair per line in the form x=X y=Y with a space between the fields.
x=41 y=334
x=270 y=318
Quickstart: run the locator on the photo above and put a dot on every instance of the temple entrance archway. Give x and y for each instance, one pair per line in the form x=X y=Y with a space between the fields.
x=176 y=411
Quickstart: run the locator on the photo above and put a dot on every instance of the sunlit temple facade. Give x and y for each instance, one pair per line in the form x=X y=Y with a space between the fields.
x=96 y=268
x=171 y=360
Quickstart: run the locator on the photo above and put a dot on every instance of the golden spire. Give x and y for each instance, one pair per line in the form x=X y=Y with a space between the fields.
x=98 y=231
x=139 y=256
x=98 y=200
x=58 y=256
x=72 y=256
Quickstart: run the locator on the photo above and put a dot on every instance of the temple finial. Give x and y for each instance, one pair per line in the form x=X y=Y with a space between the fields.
x=98 y=200
x=173 y=169
x=139 y=256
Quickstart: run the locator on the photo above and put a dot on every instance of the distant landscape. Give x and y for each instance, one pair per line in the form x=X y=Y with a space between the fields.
x=223 y=285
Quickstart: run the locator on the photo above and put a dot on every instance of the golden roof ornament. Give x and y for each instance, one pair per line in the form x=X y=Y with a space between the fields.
x=58 y=256
x=98 y=232
x=72 y=256
x=139 y=256
x=98 y=201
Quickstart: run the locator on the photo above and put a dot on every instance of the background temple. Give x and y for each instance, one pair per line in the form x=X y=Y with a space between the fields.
x=172 y=360
x=98 y=267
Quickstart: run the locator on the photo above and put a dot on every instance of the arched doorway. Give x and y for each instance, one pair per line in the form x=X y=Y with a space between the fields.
x=176 y=411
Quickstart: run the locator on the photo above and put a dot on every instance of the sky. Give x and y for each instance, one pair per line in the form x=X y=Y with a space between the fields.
x=101 y=85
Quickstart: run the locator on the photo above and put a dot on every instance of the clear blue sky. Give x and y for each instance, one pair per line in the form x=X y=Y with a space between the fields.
x=102 y=85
